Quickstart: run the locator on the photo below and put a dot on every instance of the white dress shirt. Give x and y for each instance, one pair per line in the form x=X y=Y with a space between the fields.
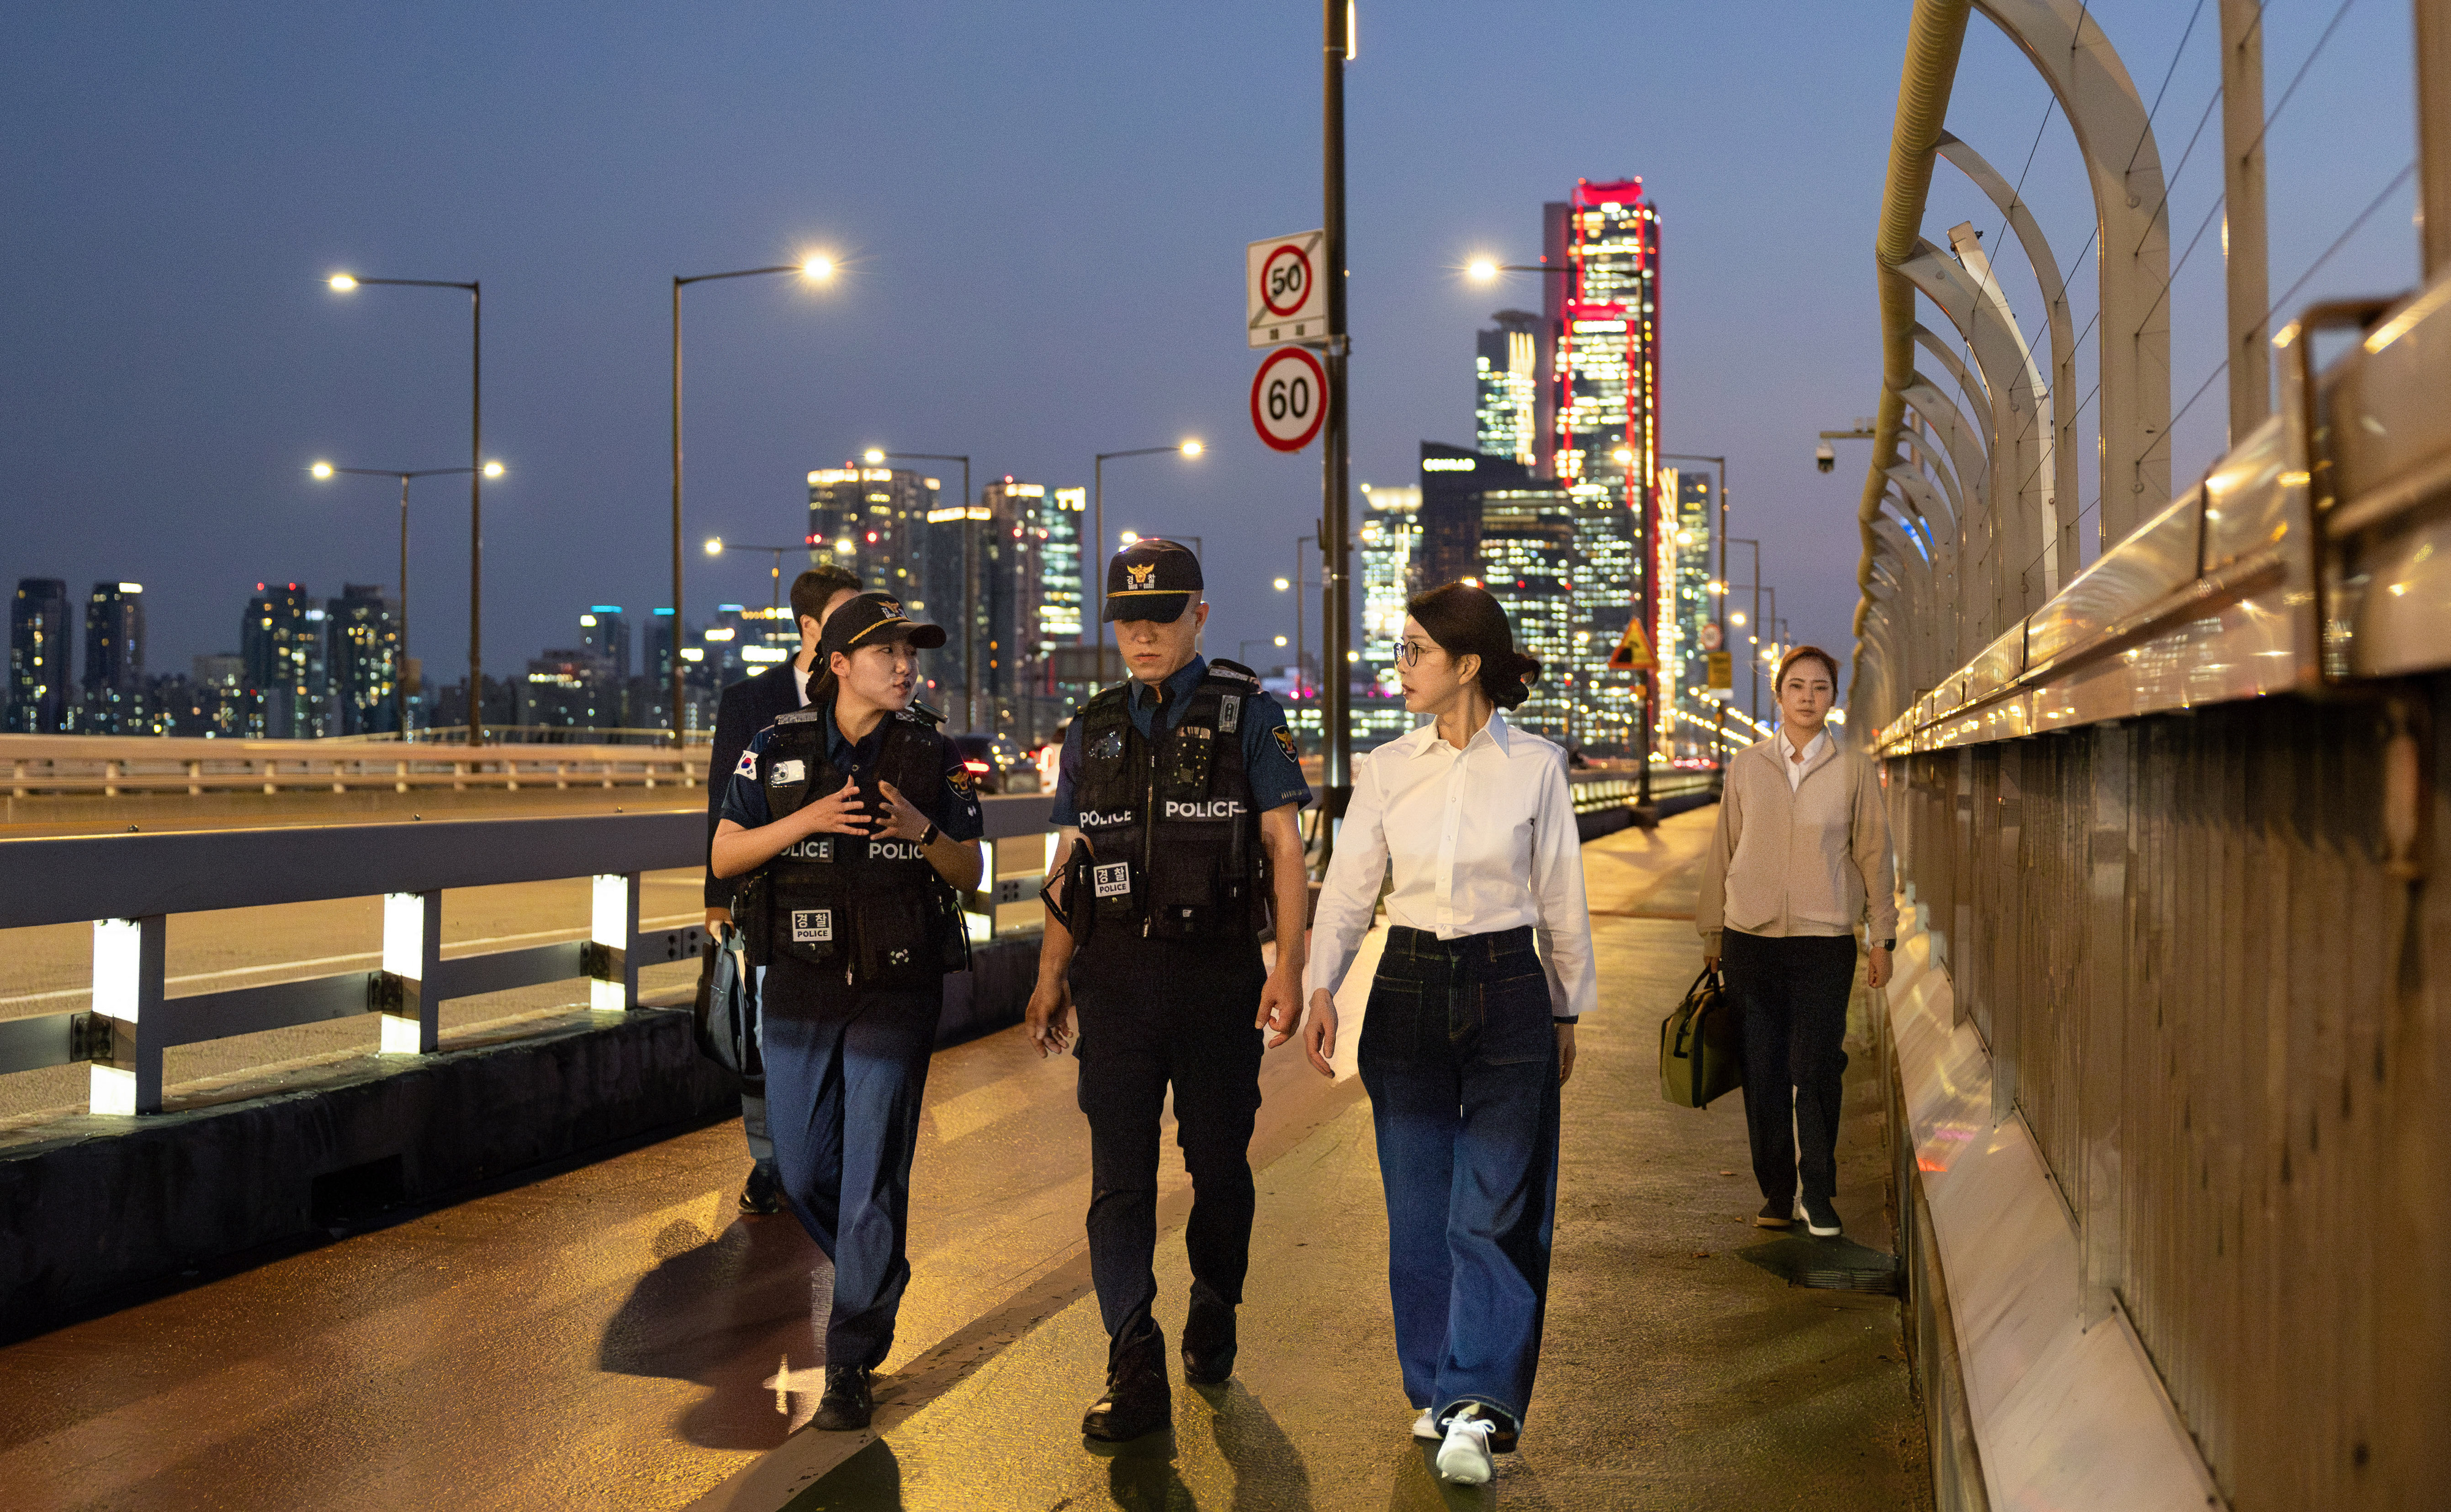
x=1482 y=840
x=1799 y=762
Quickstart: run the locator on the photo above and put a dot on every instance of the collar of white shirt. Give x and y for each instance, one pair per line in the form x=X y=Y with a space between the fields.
x=1424 y=739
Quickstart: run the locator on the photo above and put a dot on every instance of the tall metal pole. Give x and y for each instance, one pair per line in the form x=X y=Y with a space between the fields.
x=2434 y=135
x=2244 y=235
x=400 y=672
x=678 y=698
x=1337 y=695
x=1301 y=585
x=475 y=514
x=1093 y=564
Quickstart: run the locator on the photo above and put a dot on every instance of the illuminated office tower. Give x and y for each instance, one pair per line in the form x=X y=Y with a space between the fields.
x=362 y=653
x=1390 y=529
x=873 y=522
x=282 y=639
x=1688 y=545
x=1601 y=318
x=1528 y=564
x=1506 y=388
x=1059 y=670
x=1449 y=516
x=605 y=630
x=112 y=694
x=38 y=656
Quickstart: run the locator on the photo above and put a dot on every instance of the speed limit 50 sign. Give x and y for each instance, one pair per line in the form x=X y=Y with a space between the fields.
x=1287 y=297
x=1289 y=399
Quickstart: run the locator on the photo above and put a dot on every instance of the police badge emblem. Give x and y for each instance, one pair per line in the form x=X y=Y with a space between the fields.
x=1141 y=574
x=1286 y=741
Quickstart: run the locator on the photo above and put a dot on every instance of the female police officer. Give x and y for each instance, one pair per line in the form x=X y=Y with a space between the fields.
x=1175 y=804
x=859 y=820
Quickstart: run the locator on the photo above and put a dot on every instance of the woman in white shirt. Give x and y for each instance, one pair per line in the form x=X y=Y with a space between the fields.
x=1470 y=1026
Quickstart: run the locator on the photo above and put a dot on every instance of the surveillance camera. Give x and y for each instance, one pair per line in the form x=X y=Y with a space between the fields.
x=1824 y=457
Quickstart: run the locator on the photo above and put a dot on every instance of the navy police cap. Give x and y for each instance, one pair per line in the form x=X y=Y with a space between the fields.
x=1151 y=579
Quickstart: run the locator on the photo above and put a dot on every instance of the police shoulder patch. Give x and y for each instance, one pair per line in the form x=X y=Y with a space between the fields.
x=1221 y=670
x=807 y=714
x=1286 y=741
x=747 y=766
x=958 y=778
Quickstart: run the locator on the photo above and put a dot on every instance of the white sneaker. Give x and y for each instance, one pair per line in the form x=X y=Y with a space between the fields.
x=1464 y=1458
x=1427 y=1426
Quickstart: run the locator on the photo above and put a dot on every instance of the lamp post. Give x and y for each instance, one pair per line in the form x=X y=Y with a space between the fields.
x=1752 y=688
x=1097 y=572
x=345 y=283
x=875 y=455
x=1299 y=584
x=322 y=471
x=817 y=269
x=717 y=546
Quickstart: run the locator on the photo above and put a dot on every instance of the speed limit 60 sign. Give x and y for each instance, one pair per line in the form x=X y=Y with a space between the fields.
x=1286 y=292
x=1289 y=399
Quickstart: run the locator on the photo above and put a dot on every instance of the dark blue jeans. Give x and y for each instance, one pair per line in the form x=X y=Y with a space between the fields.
x=845 y=1070
x=1792 y=993
x=1460 y=1061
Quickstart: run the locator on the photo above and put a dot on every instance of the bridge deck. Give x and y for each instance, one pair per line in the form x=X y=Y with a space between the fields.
x=615 y=1335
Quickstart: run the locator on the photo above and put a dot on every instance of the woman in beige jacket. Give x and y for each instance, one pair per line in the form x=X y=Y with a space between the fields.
x=1800 y=859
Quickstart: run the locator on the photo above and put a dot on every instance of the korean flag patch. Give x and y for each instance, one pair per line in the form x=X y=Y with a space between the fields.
x=1112 y=879
x=812 y=925
x=748 y=766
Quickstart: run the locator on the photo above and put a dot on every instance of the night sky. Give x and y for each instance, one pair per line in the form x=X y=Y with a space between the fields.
x=1041 y=213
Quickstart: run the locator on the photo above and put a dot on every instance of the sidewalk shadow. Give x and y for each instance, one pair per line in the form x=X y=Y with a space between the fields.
x=1270 y=1475
x=1828 y=1265
x=722 y=1311
x=870 y=1481
x=1418 y=1487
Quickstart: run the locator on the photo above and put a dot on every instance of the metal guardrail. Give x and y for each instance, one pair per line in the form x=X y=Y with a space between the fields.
x=1595 y=791
x=112 y=765
x=128 y=885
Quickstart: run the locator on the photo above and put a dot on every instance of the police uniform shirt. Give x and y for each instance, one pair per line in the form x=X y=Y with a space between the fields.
x=1268 y=757
x=744 y=800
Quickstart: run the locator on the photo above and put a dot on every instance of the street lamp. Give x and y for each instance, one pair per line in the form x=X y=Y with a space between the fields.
x=1097 y=572
x=875 y=455
x=1298 y=585
x=817 y=269
x=717 y=546
x=1753 y=686
x=349 y=283
x=323 y=472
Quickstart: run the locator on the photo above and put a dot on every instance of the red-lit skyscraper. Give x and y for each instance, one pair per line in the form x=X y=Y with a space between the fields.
x=1600 y=411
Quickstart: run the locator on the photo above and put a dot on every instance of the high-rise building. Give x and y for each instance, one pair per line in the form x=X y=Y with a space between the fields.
x=605 y=630
x=38 y=656
x=1688 y=543
x=1528 y=564
x=1506 y=388
x=220 y=703
x=873 y=522
x=1448 y=517
x=113 y=689
x=362 y=659
x=1603 y=421
x=1390 y=531
x=282 y=639
x=569 y=689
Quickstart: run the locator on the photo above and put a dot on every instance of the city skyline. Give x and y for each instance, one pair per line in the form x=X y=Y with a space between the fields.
x=169 y=392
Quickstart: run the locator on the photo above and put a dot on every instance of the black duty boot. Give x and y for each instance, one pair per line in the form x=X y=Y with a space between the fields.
x=761 y=1193
x=1138 y=1400
x=1209 y=1341
x=848 y=1402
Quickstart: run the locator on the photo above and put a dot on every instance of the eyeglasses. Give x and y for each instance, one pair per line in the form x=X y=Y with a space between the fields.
x=1408 y=653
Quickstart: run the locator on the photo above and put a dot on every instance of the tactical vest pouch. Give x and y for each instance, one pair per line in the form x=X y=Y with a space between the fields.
x=807 y=921
x=897 y=945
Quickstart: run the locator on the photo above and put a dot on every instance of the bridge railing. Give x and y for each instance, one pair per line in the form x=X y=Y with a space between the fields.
x=127 y=886
x=111 y=765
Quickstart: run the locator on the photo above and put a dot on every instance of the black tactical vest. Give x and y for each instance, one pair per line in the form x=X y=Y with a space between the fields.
x=1172 y=825
x=872 y=909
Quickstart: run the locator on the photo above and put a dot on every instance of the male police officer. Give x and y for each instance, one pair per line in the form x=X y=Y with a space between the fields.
x=1176 y=805
x=860 y=823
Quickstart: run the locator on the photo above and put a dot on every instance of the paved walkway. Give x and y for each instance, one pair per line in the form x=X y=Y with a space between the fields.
x=612 y=1336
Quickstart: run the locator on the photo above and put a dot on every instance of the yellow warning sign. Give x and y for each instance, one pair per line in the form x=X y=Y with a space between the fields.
x=1633 y=652
x=1723 y=671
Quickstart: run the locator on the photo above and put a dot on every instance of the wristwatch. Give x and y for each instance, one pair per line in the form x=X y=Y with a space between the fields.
x=930 y=837
x=1890 y=944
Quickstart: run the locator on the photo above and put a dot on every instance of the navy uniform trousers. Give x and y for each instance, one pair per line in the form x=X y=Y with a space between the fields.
x=845 y=1071
x=1155 y=1014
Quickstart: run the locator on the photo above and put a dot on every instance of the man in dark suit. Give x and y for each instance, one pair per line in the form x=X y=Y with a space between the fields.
x=747 y=707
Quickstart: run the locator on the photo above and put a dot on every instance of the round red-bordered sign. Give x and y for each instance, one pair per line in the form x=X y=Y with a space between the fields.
x=1289 y=398
x=1284 y=279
